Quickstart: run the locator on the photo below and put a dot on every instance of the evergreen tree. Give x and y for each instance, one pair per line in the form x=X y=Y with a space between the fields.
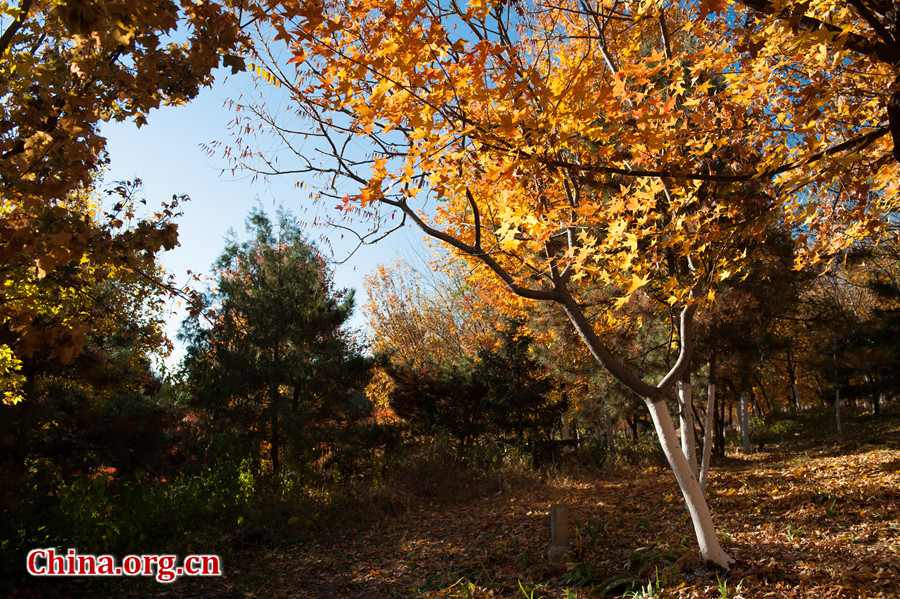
x=276 y=356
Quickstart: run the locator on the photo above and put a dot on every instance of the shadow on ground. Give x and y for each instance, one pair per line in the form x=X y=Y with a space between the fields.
x=802 y=520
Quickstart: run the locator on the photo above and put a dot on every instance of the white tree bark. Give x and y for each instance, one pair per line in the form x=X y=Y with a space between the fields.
x=686 y=423
x=710 y=549
x=708 y=542
x=745 y=423
x=708 y=432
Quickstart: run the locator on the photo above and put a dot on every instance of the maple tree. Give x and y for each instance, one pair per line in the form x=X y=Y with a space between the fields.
x=77 y=417
x=421 y=320
x=66 y=68
x=629 y=147
x=644 y=173
x=50 y=300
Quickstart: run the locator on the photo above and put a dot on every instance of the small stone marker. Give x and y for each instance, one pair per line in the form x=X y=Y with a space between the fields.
x=560 y=534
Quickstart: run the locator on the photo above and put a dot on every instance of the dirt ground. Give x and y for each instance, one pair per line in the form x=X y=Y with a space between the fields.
x=819 y=520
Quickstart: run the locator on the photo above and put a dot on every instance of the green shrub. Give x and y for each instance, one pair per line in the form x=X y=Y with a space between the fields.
x=775 y=431
x=644 y=451
x=98 y=512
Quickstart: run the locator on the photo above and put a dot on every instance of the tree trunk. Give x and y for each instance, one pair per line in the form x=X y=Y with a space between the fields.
x=709 y=422
x=710 y=549
x=752 y=404
x=756 y=404
x=877 y=398
x=730 y=414
x=837 y=411
x=611 y=441
x=295 y=399
x=745 y=423
x=688 y=439
x=275 y=439
x=256 y=463
x=719 y=443
x=633 y=424
x=766 y=404
x=792 y=375
x=820 y=390
x=654 y=398
x=619 y=369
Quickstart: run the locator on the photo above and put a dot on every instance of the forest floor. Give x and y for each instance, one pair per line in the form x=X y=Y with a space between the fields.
x=818 y=519
x=813 y=517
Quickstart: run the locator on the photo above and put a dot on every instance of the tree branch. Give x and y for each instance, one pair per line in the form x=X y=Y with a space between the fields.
x=601 y=353
x=858 y=142
x=477 y=219
x=686 y=341
x=6 y=38
x=474 y=251
x=852 y=41
x=873 y=21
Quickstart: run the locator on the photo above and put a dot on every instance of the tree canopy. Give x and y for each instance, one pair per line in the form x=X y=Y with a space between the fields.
x=66 y=68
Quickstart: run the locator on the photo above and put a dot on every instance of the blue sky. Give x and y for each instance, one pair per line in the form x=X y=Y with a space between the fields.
x=167 y=155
